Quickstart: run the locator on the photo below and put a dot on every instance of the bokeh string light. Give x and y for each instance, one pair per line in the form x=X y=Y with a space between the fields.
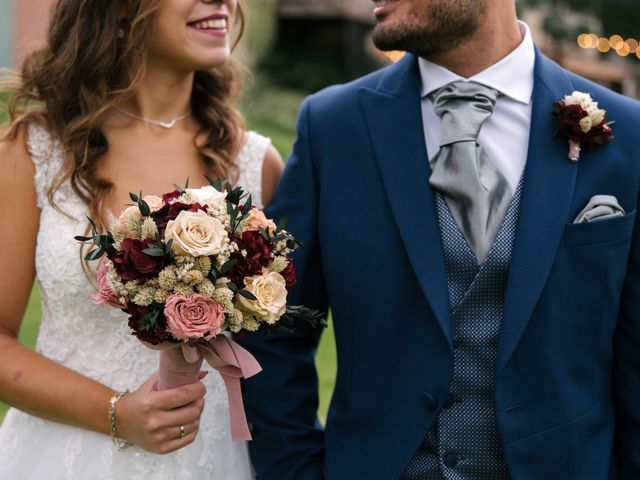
x=614 y=43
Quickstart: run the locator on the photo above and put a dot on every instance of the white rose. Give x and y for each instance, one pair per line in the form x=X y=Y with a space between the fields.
x=207 y=196
x=597 y=116
x=585 y=124
x=579 y=98
x=270 y=289
x=196 y=234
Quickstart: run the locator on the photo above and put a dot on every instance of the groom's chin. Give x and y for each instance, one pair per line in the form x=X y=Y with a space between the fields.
x=388 y=37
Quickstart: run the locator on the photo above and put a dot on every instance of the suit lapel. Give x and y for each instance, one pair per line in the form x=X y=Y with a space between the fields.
x=549 y=183
x=394 y=118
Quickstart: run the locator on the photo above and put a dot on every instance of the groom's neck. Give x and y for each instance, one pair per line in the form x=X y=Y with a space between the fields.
x=496 y=38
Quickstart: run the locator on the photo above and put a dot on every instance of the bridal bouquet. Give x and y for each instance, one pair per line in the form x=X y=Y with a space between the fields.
x=190 y=266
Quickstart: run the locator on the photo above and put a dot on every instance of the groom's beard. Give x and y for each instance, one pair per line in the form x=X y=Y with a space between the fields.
x=435 y=29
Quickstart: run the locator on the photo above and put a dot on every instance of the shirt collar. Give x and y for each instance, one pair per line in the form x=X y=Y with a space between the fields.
x=512 y=76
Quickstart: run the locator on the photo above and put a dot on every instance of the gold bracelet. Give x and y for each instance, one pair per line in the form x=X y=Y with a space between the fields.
x=120 y=443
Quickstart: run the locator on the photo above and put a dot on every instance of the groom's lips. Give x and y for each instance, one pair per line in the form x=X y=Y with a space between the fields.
x=383 y=7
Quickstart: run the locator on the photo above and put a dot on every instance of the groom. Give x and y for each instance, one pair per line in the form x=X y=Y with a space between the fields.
x=485 y=288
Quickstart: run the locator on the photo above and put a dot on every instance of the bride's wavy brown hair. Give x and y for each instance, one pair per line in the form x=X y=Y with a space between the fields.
x=85 y=69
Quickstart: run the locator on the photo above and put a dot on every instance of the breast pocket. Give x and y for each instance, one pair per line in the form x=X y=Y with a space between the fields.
x=615 y=229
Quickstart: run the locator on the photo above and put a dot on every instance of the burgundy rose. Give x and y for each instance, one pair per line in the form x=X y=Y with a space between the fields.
x=133 y=264
x=259 y=254
x=569 y=117
x=290 y=276
x=171 y=212
x=171 y=196
x=154 y=336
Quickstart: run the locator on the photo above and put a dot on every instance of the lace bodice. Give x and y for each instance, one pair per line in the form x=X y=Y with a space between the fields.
x=91 y=339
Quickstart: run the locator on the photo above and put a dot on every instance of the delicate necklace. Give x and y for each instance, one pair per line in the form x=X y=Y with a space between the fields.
x=157 y=123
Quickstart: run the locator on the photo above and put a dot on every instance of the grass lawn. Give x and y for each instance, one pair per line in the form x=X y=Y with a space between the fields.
x=272 y=114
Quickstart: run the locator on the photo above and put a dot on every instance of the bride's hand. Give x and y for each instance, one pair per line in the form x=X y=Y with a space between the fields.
x=153 y=419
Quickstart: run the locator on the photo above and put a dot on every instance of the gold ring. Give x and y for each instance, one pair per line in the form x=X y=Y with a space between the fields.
x=182 y=432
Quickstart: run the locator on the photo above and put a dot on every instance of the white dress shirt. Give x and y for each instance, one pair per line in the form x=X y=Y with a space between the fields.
x=505 y=135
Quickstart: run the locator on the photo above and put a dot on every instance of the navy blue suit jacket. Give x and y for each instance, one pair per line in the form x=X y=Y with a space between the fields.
x=356 y=192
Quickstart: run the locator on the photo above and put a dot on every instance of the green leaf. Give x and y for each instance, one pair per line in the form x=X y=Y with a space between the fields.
x=283 y=223
x=178 y=188
x=150 y=320
x=154 y=251
x=234 y=195
x=248 y=204
x=228 y=266
x=248 y=295
x=133 y=197
x=233 y=287
x=214 y=275
x=144 y=208
x=95 y=254
x=83 y=239
x=186 y=185
x=169 y=246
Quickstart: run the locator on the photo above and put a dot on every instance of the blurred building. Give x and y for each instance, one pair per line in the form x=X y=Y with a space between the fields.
x=22 y=27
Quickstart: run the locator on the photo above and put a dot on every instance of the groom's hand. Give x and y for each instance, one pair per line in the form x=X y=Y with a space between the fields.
x=153 y=419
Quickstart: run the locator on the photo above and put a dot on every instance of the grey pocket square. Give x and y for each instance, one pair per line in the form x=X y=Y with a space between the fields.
x=600 y=207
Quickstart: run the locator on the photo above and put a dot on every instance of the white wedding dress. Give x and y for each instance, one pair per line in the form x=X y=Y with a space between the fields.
x=96 y=342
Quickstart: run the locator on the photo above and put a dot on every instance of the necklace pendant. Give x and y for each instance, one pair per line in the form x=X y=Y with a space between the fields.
x=168 y=125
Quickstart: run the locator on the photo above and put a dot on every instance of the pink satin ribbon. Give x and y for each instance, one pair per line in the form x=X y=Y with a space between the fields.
x=233 y=363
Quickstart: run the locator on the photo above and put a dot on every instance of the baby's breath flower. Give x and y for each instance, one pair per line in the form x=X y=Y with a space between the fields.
x=182 y=290
x=193 y=277
x=144 y=297
x=235 y=317
x=167 y=278
x=281 y=248
x=115 y=282
x=206 y=288
x=224 y=297
x=182 y=260
x=203 y=264
x=250 y=324
x=161 y=295
x=132 y=289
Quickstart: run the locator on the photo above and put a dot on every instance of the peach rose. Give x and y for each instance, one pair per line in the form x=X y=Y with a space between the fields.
x=197 y=234
x=257 y=220
x=155 y=203
x=193 y=317
x=270 y=289
x=105 y=295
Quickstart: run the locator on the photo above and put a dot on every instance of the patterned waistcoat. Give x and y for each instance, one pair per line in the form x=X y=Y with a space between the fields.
x=464 y=443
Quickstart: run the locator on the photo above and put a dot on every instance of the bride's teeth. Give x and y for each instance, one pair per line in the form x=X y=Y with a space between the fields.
x=217 y=24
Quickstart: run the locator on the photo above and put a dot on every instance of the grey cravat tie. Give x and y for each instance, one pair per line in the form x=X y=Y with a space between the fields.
x=477 y=194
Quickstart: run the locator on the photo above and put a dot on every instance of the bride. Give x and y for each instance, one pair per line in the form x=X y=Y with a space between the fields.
x=125 y=96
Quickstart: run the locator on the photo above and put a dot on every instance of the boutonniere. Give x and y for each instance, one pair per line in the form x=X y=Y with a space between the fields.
x=578 y=118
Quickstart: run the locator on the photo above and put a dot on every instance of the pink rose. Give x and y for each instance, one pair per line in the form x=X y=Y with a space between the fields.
x=105 y=294
x=257 y=220
x=155 y=203
x=193 y=317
